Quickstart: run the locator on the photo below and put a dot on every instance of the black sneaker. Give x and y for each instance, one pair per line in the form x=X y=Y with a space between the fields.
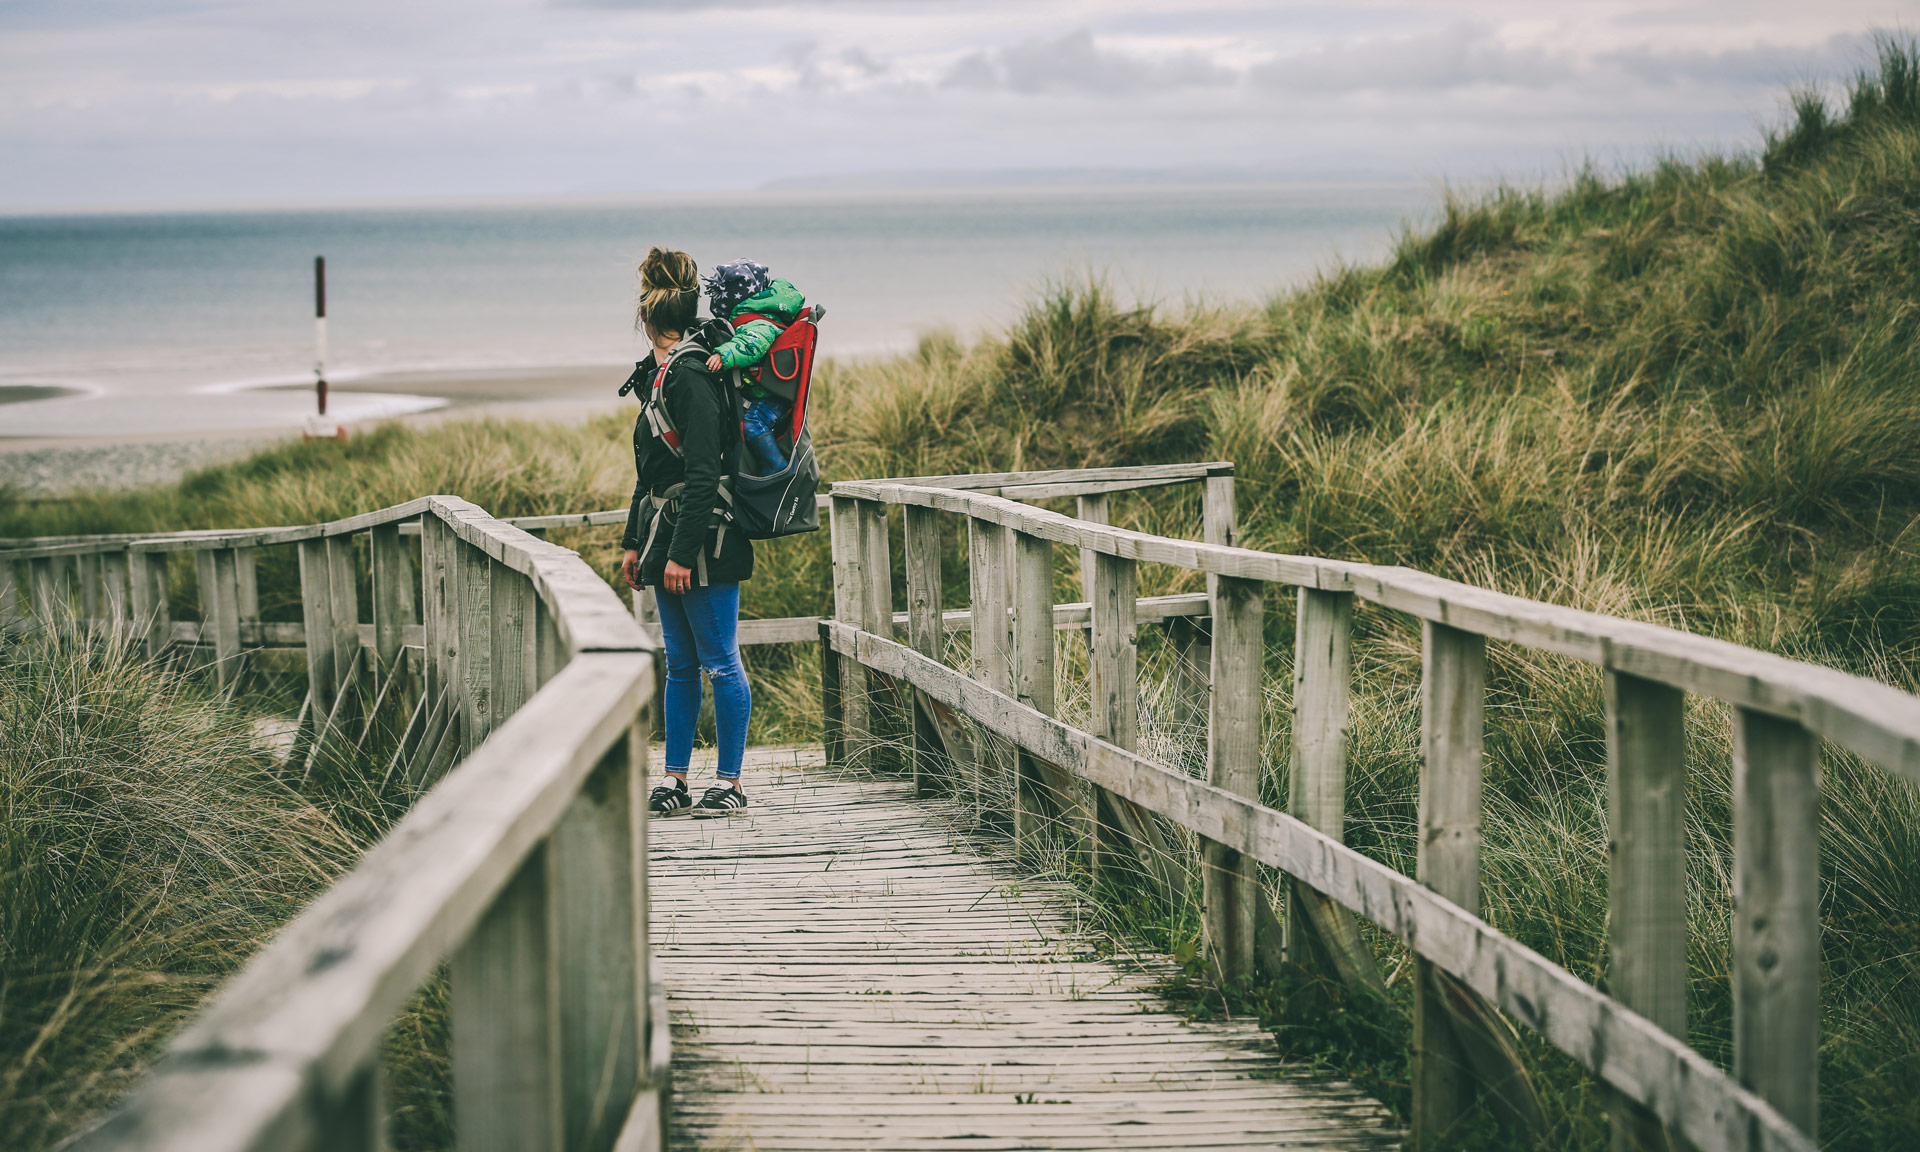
x=670 y=799
x=720 y=801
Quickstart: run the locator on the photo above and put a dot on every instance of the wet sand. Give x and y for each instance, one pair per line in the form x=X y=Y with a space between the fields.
x=122 y=456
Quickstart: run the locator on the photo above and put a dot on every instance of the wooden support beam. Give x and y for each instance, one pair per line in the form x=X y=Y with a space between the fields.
x=316 y=610
x=875 y=595
x=1042 y=792
x=49 y=603
x=505 y=1009
x=86 y=573
x=343 y=586
x=246 y=584
x=991 y=765
x=113 y=576
x=850 y=679
x=1322 y=692
x=925 y=634
x=507 y=659
x=393 y=586
x=833 y=728
x=1122 y=828
x=147 y=591
x=597 y=907
x=1453 y=690
x=221 y=602
x=1776 y=914
x=550 y=653
x=1232 y=897
x=474 y=570
x=1094 y=509
x=1647 y=873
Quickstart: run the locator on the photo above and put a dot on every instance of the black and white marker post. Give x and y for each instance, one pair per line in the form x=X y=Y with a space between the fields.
x=320 y=331
x=319 y=425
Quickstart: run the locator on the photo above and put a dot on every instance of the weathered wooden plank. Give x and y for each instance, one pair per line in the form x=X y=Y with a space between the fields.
x=504 y=1015
x=221 y=603
x=246 y=583
x=113 y=576
x=990 y=766
x=1231 y=893
x=48 y=601
x=1624 y=1049
x=1776 y=914
x=393 y=585
x=920 y=535
x=475 y=618
x=1114 y=670
x=147 y=589
x=316 y=610
x=1647 y=872
x=343 y=587
x=1453 y=689
x=849 y=587
x=510 y=594
x=1041 y=792
x=312 y=1005
x=86 y=572
x=596 y=871
x=1094 y=509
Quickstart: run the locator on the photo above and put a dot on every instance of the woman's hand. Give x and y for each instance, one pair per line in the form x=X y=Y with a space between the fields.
x=630 y=568
x=713 y=365
x=679 y=579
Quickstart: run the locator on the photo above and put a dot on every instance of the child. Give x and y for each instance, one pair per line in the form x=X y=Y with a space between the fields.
x=743 y=288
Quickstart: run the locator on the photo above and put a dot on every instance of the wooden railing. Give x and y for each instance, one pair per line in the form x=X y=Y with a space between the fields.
x=524 y=679
x=1095 y=786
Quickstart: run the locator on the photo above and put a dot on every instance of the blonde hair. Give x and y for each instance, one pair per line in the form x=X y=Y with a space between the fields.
x=669 y=293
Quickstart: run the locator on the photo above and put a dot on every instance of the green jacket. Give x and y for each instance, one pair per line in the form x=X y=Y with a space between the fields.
x=751 y=340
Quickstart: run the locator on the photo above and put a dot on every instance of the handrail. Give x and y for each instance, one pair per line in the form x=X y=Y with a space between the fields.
x=523 y=868
x=1631 y=1036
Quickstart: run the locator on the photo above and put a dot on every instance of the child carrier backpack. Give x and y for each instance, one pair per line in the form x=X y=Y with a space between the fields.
x=780 y=503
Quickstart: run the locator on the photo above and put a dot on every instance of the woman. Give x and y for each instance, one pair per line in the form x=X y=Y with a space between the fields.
x=677 y=540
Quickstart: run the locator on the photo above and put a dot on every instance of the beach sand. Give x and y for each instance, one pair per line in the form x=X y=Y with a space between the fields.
x=126 y=454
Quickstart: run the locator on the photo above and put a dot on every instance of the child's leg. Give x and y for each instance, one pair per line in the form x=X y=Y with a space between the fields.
x=760 y=420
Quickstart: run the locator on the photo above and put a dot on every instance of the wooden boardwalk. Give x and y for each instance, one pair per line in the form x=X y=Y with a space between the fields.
x=844 y=970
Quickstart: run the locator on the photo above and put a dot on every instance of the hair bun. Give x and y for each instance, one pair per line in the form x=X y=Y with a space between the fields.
x=668 y=271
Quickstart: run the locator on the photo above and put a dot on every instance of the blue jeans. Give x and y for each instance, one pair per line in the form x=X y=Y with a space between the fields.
x=699 y=629
x=759 y=421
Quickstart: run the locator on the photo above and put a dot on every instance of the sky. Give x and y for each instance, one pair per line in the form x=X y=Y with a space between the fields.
x=156 y=103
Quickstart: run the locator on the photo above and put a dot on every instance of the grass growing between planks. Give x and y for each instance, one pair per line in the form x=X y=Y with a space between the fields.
x=1689 y=394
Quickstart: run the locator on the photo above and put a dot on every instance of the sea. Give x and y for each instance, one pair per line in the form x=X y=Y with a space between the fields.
x=200 y=321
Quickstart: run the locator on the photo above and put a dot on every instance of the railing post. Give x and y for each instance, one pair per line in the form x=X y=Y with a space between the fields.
x=1322 y=690
x=86 y=570
x=113 y=576
x=1776 y=925
x=147 y=590
x=1120 y=826
x=1231 y=892
x=987 y=589
x=876 y=612
x=597 y=906
x=224 y=613
x=439 y=636
x=343 y=586
x=1039 y=792
x=316 y=610
x=475 y=620
x=505 y=1005
x=850 y=676
x=550 y=655
x=45 y=572
x=507 y=659
x=246 y=584
x=925 y=631
x=1094 y=509
x=392 y=592
x=1452 y=702
x=1647 y=874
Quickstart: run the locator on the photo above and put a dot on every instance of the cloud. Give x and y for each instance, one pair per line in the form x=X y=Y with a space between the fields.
x=1760 y=66
x=1458 y=56
x=1076 y=63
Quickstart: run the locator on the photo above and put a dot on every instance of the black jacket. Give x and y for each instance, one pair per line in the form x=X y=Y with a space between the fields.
x=690 y=533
